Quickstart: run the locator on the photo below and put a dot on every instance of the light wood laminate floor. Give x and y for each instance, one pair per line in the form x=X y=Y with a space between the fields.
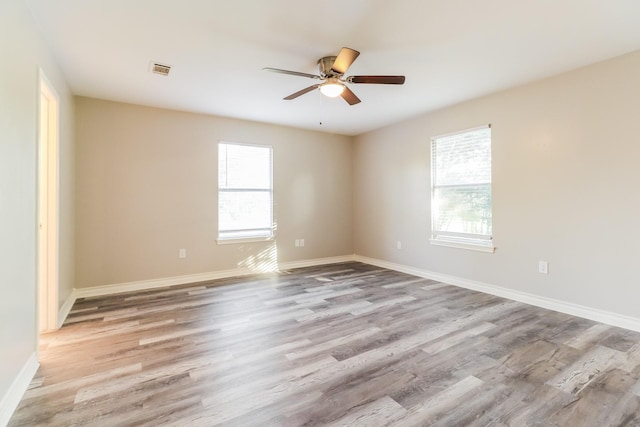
x=339 y=345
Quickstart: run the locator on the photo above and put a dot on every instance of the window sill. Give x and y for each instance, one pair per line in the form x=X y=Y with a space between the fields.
x=244 y=240
x=464 y=245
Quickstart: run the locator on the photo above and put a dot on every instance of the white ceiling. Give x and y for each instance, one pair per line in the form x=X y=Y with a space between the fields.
x=449 y=50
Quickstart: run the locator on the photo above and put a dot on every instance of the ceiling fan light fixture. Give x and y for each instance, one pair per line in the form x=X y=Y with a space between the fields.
x=332 y=88
x=331 y=71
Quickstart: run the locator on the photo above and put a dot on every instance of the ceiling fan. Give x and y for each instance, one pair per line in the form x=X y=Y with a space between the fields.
x=332 y=69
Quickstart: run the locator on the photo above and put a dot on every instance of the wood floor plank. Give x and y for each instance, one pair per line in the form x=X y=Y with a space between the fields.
x=381 y=412
x=576 y=377
x=340 y=344
x=438 y=405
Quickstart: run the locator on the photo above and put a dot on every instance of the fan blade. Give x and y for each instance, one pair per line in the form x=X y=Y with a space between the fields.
x=293 y=73
x=344 y=60
x=384 y=80
x=349 y=96
x=301 y=92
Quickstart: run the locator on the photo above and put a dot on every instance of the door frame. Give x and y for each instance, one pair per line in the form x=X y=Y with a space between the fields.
x=47 y=225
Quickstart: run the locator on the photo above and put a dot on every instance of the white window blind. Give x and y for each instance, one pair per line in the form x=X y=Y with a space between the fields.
x=245 y=191
x=461 y=207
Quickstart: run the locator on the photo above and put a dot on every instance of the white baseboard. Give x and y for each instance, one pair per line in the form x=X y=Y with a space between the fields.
x=317 y=261
x=66 y=307
x=141 y=285
x=11 y=399
x=195 y=278
x=590 y=313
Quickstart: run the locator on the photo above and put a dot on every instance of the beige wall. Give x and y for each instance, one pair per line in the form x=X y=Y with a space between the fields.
x=566 y=156
x=147 y=186
x=22 y=52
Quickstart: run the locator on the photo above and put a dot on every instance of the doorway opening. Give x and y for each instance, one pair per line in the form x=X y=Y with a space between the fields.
x=48 y=131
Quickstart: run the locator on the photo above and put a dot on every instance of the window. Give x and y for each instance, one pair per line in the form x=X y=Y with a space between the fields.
x=461 y=189
x=245 y=192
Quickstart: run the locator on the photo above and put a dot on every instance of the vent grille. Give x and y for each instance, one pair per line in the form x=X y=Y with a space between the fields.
x=160 y=69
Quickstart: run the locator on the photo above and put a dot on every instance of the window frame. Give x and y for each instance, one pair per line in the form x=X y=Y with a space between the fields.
x=453 y=239
x=258 y=237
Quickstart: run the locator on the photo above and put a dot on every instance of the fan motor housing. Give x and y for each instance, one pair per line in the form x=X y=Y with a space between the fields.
x=325 y=64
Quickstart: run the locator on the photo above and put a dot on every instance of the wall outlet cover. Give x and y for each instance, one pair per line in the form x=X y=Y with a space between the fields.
x=543 y=267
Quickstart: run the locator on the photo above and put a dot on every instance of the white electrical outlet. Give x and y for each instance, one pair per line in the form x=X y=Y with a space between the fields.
x=182 y=253
x=301 y=243
x=399 y=245
x=543 y=267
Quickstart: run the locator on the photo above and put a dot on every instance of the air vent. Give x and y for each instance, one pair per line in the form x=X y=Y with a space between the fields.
x=160 y=69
